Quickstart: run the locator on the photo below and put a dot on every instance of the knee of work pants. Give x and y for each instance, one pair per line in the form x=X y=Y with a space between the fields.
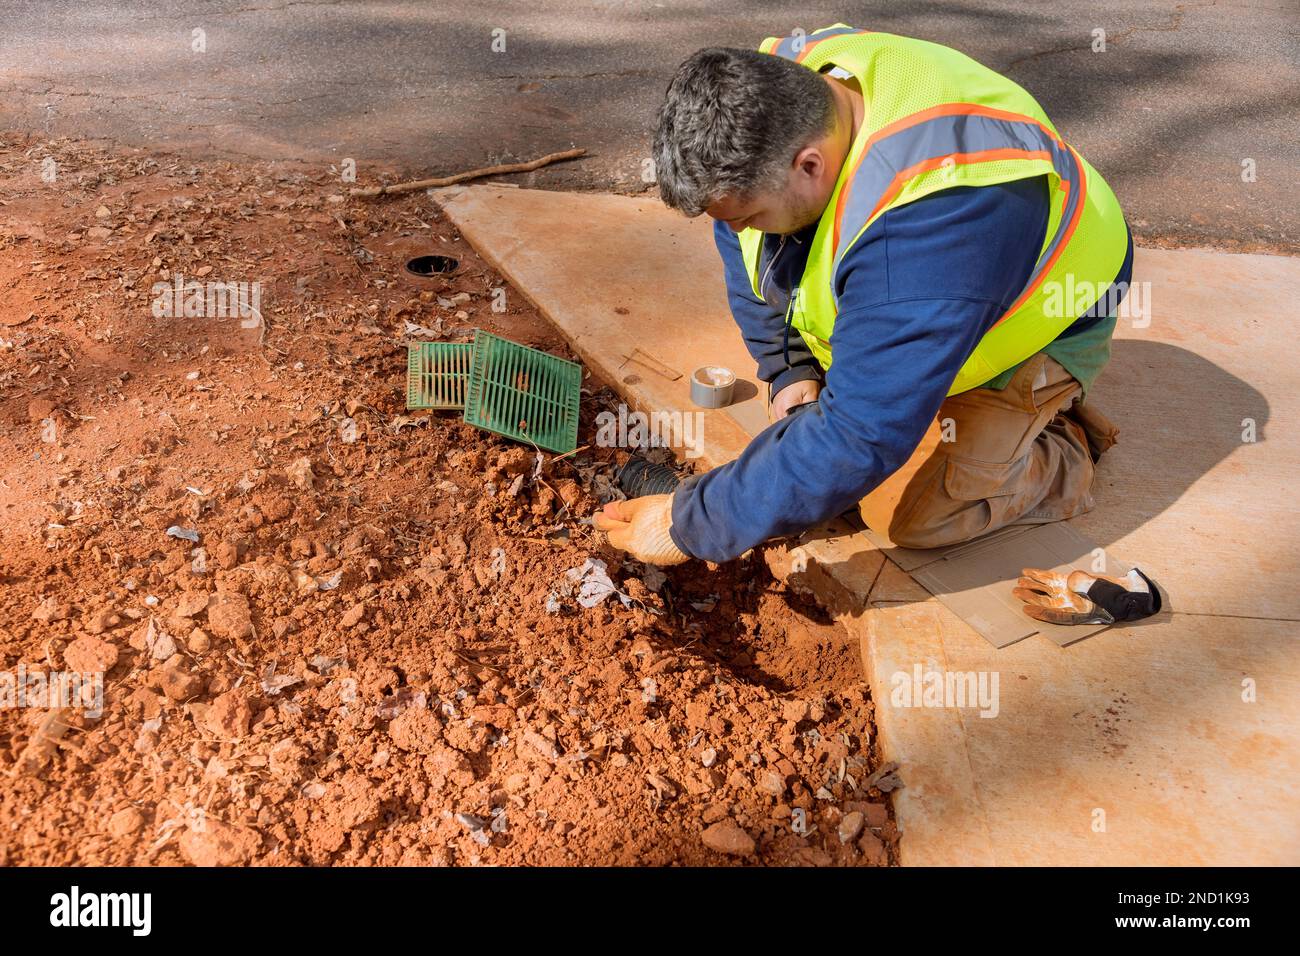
x=1006 y=456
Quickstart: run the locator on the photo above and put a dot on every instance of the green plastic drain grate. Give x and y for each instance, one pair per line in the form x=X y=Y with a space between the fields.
x=437 y=374
x=524 y=394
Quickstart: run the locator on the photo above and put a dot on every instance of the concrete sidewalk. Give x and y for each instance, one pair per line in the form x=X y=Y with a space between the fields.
x=1176 y=741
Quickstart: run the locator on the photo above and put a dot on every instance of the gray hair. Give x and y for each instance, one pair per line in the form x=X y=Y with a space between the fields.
x=731 y=122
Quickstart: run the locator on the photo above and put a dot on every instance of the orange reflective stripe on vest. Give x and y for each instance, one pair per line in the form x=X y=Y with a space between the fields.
x=935 y=119
x=798 y=47
x=951 y=134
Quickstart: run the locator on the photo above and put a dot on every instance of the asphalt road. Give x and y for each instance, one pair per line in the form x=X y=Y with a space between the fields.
x=1181 y=97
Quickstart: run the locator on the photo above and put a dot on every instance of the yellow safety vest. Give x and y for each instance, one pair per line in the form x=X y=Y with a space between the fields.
x=936 y=119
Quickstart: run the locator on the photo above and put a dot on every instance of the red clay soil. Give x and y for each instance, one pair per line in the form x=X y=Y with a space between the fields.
x=370 y=656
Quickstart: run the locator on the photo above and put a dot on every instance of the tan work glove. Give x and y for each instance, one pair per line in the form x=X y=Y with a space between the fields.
x=1082 y=598
x=640 y=526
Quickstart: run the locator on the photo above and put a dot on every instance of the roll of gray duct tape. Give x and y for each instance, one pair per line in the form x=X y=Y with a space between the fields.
x=711 y=386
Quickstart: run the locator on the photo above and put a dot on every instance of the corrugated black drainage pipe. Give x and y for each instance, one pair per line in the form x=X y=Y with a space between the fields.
x=640 y=477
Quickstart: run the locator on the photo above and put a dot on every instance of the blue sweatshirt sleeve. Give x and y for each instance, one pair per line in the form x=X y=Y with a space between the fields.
x=761 y=326
x=917 y=292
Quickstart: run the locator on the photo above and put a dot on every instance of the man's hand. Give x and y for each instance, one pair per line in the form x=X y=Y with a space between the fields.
x=640 y=526
x=794 y=394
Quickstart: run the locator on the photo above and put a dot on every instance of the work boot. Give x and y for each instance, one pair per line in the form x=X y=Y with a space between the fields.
x=1102 y=433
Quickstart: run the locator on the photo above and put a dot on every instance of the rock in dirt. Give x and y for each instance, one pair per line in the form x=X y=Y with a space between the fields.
x=468 y=740
x=418 y=730
x=142 y=702
x=44 y=742
x=850 y=826
x=795 y=710
x=664 y=787
x=470 y=822
x=285 y=759
x=872 y=849
x=885 y=779
x=101 y=621
x=51 y=610
x=40 y=408
x=727 y=837
x=276 y=508
x=213 y=843
x=229 y=716
x=192 y=604
x=513 y=461
x=89 y=655
x=351 y=802
x=877 y=815
x=229 y=617
x=142 y=637
x=226 y=554
x=164 y=646
x=540 y=745
x=174 y=679
x=125 y=822
x=715 y=812
x=300 y=474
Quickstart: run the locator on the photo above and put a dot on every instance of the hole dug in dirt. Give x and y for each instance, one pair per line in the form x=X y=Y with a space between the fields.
x=425 y=266
x=766 y=634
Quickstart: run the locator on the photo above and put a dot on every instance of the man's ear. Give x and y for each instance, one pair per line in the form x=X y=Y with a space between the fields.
x=809 y=162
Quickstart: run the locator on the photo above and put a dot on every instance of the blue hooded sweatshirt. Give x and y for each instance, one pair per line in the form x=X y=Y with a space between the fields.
x=916 y=293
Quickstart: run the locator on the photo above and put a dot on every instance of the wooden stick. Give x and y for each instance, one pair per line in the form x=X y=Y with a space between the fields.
x=527 y=167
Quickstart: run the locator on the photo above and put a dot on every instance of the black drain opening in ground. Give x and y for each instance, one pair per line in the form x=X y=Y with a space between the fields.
x=431 y=265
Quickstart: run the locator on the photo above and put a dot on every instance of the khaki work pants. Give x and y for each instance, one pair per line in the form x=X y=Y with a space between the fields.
x=1016 y=456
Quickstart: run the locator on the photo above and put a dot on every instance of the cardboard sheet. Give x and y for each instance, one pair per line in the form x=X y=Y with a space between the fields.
x=975 y=579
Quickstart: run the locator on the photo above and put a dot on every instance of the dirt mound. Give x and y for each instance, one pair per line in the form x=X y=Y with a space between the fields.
x=333 y=631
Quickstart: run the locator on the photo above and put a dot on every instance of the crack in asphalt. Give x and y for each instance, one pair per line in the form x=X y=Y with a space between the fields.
x=576 y=76
x=284 y=6
x=295 y=3
x=155 y=97
x=51 y=91
x=1175 y=24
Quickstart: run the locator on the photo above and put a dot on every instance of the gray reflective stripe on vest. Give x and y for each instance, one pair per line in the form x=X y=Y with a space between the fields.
x=786 y=47
x=945 y=136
